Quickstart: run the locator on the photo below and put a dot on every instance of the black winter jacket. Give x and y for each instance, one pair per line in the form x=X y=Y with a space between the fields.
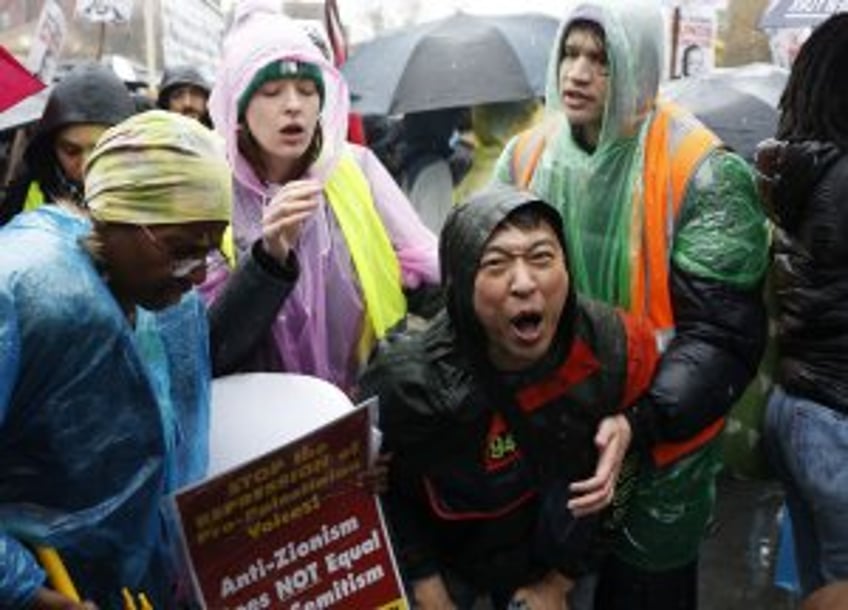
x=810 y=201
x=467 y=483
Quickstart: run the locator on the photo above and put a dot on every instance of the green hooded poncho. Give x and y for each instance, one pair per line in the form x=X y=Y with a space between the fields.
x=718 y=235
x=720 y=232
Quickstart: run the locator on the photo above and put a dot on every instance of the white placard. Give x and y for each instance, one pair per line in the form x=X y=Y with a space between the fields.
x=192 y=31
x=696 y=42
x=47 y=41
x=104 y=11
x=255 y=413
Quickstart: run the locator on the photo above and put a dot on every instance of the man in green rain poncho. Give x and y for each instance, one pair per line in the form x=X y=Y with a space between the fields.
x=661 y=220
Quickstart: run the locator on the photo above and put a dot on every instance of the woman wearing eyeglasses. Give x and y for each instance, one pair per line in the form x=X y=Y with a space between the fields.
x=104 y=365
x=322 y=211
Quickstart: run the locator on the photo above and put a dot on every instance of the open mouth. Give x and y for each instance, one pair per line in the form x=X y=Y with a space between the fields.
x=527 y=325
x=292 y=130
x=577 y=98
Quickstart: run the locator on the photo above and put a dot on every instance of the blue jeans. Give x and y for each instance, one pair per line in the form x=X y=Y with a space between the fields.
x=807 y=443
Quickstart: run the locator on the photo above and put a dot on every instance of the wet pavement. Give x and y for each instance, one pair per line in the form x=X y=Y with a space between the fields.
x=739 y=555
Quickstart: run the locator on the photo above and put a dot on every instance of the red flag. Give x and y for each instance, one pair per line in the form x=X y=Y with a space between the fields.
x=338 y=42
x=16 y=83
x=335 y=32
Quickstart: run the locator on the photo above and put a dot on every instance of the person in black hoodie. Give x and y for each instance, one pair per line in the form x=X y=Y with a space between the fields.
x=185 y=90
x=86 y=102
x=806 y=192
x=503 y=417
x=427 y=157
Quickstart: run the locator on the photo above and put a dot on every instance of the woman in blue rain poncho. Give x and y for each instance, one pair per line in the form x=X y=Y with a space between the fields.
x=104 y=364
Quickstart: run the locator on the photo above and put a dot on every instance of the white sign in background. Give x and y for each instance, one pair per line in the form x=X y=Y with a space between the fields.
x=104 y=11
x=47 y=41
x=192 y=31
x=696 y=38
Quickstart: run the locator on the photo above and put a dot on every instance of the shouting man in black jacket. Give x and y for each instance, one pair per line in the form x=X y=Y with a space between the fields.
x=503 y=417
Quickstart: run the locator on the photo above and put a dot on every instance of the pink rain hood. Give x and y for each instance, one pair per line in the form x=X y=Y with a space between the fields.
x=321 y=322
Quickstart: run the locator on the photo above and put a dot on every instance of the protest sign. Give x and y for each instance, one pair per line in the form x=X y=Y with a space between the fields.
x=192 y=31
x=104 y=11
x=47 y=42
x=696 y=42
x=293 y=528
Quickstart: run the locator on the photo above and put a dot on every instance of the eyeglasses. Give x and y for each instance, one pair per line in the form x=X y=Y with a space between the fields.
x=181 y=267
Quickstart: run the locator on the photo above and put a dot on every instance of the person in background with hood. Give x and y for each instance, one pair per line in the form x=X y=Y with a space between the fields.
x=492 y=127
x=312 y=203
x=664 y=222
x=425 y=169
x=806 y=423
x=184 y=90
x=89 y=100
x=495 y=414
x=104 y=368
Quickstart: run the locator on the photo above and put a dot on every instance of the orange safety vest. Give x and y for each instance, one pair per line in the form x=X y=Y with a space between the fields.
x=675 y=145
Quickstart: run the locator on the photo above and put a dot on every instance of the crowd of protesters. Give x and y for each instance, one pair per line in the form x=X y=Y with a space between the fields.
x=587 y=300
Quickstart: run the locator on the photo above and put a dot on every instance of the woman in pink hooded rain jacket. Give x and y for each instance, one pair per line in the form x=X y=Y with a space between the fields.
x=322 y=216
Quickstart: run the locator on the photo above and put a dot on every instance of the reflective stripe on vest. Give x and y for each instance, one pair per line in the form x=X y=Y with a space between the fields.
x=675 y=146
x=528 y=149
x=34 y=197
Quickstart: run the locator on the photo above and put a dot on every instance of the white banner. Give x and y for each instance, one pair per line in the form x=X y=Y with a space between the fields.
x=104 y=11
x=192 y=31
x=47 y=41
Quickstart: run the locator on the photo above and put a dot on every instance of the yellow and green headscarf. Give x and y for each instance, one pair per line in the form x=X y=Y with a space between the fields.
x=158 y=167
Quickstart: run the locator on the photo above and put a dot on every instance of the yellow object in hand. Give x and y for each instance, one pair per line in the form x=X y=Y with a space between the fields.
x=58 y=576
x=130 y=601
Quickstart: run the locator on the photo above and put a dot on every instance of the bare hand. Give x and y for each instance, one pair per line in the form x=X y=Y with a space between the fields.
x=596 y=493
x=48 y=599
x=431 y=594
x=546 y=594
x=283 y=217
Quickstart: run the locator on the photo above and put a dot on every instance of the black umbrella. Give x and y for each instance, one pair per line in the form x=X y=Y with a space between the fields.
x=738 y=104
x=792 y=13
x=461 y=60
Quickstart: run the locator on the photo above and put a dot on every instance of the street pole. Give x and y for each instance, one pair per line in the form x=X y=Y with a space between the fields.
x=675 y=37
x=150 y=44
x=101 y=41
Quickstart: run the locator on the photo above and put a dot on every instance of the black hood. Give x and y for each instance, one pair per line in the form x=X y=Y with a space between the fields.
x=429 y=131
x=461 y=244
x=177 y=76
x=90 y=93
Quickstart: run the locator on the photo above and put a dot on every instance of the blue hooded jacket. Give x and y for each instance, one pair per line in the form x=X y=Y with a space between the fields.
x=98 y=420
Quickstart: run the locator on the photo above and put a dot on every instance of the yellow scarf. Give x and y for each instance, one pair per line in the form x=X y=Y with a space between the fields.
x=373 y=256
x=370 y=249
